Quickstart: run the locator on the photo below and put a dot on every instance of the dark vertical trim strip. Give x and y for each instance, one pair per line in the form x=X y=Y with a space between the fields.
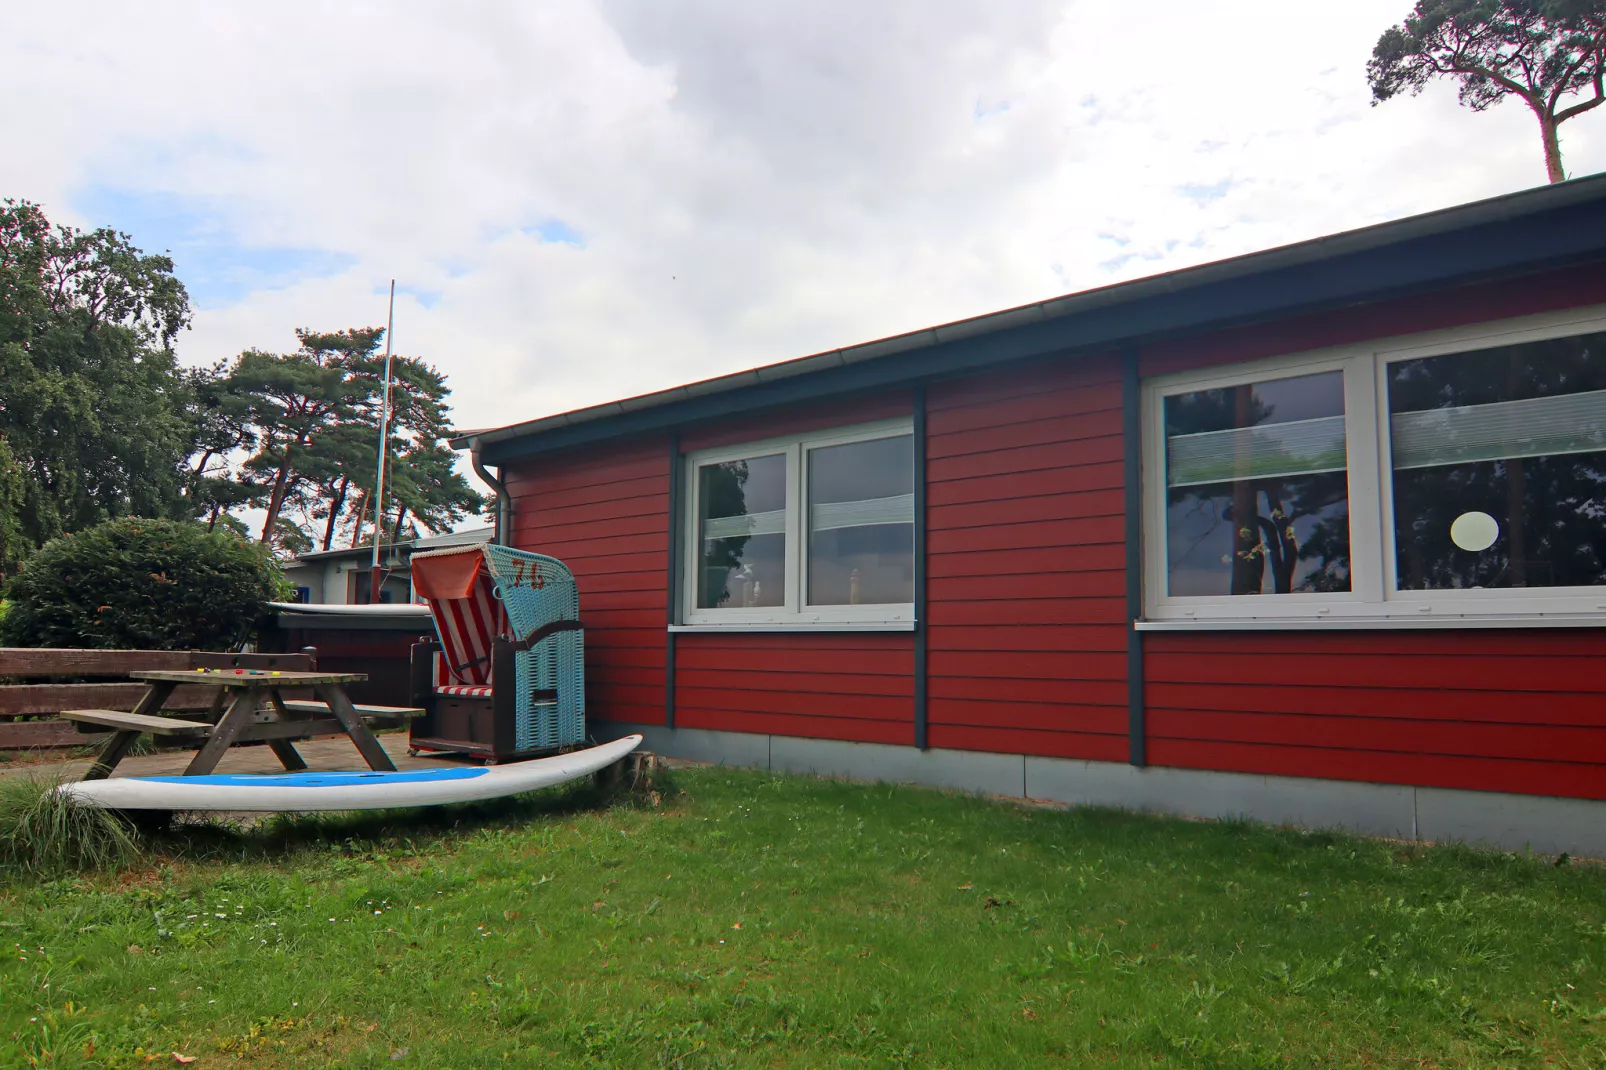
x=920 y=564
x=672 y=581
x=1131 y=455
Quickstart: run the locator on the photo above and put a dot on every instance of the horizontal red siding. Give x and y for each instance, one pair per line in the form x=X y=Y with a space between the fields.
x=605 y=514
x=1024 y=637
x=849 y=686
x=1485 y=710
x=950 y=489
x=1026 y=584
x=1062 y=741
x=1027 y=561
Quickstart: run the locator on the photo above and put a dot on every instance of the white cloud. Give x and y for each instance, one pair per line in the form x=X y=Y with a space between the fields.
x=746 y=182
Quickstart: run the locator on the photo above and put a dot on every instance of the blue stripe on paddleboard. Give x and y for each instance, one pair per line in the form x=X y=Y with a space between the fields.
x=316 y=780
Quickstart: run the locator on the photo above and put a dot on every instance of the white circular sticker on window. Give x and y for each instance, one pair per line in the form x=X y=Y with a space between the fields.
x=1474 y=531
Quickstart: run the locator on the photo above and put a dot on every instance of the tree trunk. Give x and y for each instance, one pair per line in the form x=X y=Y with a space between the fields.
x=336 y=505
x=1281 y=548
x=1248 y=558
x=359 y=513
x=1547 y=131
x=395 y=532
x=276 y=498
x=275 y=503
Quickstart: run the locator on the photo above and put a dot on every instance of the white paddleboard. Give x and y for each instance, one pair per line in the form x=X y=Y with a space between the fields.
x=293 y=792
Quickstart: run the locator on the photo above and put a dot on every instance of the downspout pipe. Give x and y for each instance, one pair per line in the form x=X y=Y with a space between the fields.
x=503 y=511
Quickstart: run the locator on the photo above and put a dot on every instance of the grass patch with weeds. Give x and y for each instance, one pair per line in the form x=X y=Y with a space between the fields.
x=45 y=834
x=761 y=921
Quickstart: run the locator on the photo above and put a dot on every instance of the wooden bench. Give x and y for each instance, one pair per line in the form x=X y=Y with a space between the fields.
x=126 y=727
x=381 y=715
x=174 y=726
x=137 y=722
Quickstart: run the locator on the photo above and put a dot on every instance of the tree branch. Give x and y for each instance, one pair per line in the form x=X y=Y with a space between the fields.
x=1579 y=109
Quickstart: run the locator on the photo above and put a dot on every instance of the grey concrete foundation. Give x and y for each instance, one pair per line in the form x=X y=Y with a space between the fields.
x=990 y=774
x=1375 y=809
x=1538 y=823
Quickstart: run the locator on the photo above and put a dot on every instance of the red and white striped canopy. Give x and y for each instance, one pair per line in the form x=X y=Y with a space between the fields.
x=457 y=587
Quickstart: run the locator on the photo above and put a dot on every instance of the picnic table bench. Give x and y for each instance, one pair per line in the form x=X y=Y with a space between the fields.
x=249 y=707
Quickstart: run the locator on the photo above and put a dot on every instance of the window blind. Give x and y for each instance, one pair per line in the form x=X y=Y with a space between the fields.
x=1502 y=430
x=731 y=527
x=1295 y=448
x=829 y=516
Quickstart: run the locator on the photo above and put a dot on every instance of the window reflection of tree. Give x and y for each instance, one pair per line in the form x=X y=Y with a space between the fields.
x=1553 y=507
x=724 y=493
x=1264 y=513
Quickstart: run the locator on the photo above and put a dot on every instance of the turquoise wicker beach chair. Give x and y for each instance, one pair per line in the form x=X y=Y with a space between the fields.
x=505 y=675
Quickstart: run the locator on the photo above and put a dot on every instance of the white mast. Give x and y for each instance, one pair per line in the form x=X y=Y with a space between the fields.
x=374 y=582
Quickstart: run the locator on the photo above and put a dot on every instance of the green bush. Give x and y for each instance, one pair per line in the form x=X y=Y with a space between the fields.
x=141 y=584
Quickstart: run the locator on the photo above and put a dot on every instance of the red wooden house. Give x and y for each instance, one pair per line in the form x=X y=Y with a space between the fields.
x=1316 y=535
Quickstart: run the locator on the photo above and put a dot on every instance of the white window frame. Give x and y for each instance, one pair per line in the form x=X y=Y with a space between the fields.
x=1373 y=599
x=793 y=614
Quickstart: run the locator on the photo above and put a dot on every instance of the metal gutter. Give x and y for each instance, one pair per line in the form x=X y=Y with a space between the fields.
x=500 y=521
x=1446 y=247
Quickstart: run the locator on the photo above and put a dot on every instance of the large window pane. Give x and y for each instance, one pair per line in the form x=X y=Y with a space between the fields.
x=1500 y=466
x=1257 y=494
x=742 y=533
x=861 y=523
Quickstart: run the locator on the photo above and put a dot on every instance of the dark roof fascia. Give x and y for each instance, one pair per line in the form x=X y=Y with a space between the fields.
x=318 y=556
x=452 y=539
x=1517 y=234
x=431 y=542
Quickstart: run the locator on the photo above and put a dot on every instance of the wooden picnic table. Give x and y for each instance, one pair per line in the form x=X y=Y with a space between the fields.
x=249 y=707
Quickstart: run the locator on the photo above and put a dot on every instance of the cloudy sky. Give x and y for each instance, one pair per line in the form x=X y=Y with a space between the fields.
x=586 y=199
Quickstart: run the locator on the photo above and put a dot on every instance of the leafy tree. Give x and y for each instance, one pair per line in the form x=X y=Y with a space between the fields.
x=346 y=476
x=91 y=400
x=296 y=403
x=141 y=584
x=220 y=418
x=421 y=477
x=1543 y=52
x=312 y=419
x=425 y=484
x=98 y=421
x=11 y=496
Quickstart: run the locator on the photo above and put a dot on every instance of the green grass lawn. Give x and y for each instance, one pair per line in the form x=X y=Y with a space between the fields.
x=762 y=921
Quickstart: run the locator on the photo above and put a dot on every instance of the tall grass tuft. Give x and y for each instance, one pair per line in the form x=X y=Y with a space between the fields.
x=44 y=833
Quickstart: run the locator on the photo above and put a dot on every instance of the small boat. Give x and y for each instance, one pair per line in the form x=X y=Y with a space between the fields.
x=304 y=792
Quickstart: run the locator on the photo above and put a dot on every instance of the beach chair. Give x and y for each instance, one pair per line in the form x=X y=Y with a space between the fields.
x=504 y=676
